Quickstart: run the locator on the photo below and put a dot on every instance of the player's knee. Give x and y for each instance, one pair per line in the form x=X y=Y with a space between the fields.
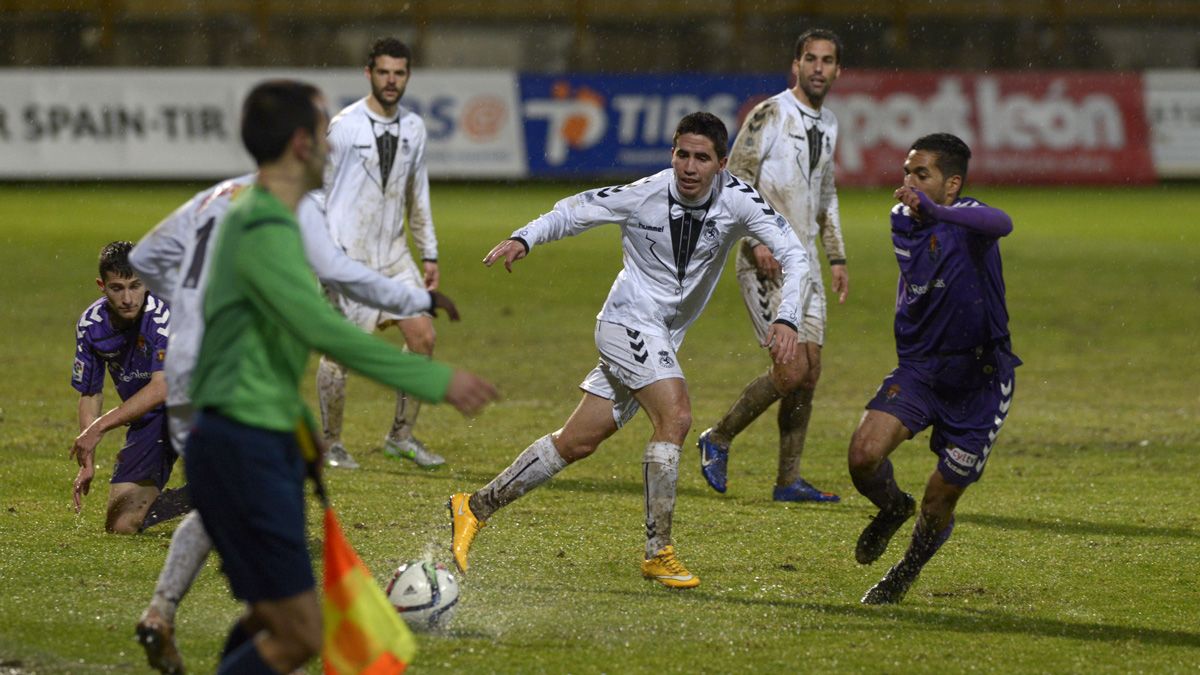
x=575 y=449
x=422 y=343
x=675 y=424
x=863 y=456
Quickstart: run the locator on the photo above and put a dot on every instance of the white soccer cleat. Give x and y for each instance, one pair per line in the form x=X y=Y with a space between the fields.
x=338 y=458
x=414 y=450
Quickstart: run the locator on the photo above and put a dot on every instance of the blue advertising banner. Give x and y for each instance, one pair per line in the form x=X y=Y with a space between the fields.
x=622 y=125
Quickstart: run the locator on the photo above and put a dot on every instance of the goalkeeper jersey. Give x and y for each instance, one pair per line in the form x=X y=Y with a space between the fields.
x=263 y=313
x=674 y=250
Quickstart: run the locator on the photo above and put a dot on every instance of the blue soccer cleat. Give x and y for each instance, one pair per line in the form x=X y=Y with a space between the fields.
x=714 y=461
x=802 y=491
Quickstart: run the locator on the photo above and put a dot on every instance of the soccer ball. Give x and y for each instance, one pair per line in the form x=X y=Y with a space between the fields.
x=424 y=593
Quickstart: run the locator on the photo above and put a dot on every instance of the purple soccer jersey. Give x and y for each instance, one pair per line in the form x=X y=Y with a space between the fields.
x=951 y=291
x=130 y=356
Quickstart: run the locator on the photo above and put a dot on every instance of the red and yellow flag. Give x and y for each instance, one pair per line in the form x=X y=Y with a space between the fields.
x=363 y=632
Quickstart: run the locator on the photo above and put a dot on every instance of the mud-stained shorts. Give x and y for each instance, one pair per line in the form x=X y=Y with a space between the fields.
x=147 y=454
x=369 y=318
x=629 y=360
x=762 y=297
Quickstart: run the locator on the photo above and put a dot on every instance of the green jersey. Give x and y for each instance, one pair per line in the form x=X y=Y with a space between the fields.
x=264 y=312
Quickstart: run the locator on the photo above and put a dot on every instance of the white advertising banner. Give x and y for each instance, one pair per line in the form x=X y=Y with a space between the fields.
x=1173 y=110
x=184 y=123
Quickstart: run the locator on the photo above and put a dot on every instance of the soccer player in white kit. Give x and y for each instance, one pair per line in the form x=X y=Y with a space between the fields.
x=785 y=149
x=677 y=228
x=173 y=260
x=375 y=180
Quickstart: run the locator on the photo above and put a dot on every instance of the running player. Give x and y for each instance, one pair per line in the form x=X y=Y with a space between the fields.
x=677 y=227
x=956 y=365
x=785 y=149
x=124 y=332
x=376 y=180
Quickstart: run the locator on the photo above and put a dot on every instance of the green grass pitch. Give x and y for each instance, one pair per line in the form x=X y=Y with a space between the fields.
x=1078 y=551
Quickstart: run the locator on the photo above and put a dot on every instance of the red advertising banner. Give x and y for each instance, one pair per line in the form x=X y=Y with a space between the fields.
x=1043 y=128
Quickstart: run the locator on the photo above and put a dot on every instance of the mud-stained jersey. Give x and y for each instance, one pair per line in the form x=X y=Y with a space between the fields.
x=375 y=179
x=785 y=149
x=673 y=250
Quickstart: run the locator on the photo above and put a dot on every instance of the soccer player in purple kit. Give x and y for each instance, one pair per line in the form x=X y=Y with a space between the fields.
x=125 y=333
x=956 y=365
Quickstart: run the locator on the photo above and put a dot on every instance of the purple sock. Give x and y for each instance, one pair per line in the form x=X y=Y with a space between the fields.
x=245 y=660
x=925 y=544
x=880 y=487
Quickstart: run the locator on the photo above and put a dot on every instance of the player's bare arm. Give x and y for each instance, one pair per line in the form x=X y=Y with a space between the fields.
x=146 y=399
x=510 y=250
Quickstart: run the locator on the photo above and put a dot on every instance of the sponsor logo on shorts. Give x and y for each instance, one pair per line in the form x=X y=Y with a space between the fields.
x=77 y=371
x=961 y=457
x=665 y=360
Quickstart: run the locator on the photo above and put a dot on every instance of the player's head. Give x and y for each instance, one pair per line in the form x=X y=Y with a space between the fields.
x=387 y=69
x=121 y=286
x=285 y=121
x=937 y=165
x=817 y=63
x=698 y=152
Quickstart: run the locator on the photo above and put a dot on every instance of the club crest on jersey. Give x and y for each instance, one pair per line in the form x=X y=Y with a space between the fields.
x=665 y=360
x=935 y=248
x=710 y=230
x=141 y=343
x=77 y=371
x=404 y=149
x=893 y=392
x=160 y=355
x=781 y=223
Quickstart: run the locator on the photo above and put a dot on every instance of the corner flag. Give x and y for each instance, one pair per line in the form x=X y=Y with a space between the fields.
x=363 y=632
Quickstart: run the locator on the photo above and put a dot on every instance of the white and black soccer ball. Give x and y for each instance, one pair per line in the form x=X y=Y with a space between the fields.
x=424 y=593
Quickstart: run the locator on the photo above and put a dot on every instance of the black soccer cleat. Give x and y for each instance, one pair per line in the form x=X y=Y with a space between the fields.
x=891 y=588
x=875 y=536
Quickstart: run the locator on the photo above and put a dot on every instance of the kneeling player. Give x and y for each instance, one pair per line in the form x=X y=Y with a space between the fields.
x=125 y=332
x=955 y=361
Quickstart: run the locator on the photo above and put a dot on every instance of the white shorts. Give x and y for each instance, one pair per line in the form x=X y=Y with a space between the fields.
x=369 y=318
x=629 y=360
x=762 y=297
x=179 y=425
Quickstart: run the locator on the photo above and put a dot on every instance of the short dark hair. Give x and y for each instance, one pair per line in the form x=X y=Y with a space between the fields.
x=819 y=34
x=389 y=46
x=953 y=155
x=114 y=259
x=704 y=124
x=272 y=113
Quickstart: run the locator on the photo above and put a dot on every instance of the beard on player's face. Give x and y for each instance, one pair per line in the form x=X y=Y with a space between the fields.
x=387 y=95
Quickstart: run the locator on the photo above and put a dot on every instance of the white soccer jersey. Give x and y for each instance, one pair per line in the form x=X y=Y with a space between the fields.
x=173 y=260
x=674 y=251
x=785 y=149
x=366 y=198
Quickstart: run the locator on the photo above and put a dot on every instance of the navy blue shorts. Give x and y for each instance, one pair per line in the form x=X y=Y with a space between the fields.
x=248 y=485
x=965 y=420
x=147 y=455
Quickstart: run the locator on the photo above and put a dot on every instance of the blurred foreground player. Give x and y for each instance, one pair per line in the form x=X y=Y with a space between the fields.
x=677 y=227
x=126 y=333
x=263 y=312
x=174 y=259
x=956 y=364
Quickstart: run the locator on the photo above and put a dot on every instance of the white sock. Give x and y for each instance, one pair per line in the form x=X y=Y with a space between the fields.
x=535 y=465
x=660 y=472
x=185 y=558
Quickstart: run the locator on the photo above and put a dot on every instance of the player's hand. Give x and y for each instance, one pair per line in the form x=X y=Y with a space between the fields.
x=84 y=447
x=468 y=392
x=443 y=301
x=916 y=201
x=768 y=266
x=83 y=483
x=841 y=282
x=781 y=340
x=432 y=276
x=510 y=250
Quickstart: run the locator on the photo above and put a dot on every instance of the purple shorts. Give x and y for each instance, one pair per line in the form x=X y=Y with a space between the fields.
x=147 y=454
x=965 y=420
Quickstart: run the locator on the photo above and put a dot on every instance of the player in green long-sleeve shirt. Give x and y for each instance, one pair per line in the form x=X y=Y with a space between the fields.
x=264 y=313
